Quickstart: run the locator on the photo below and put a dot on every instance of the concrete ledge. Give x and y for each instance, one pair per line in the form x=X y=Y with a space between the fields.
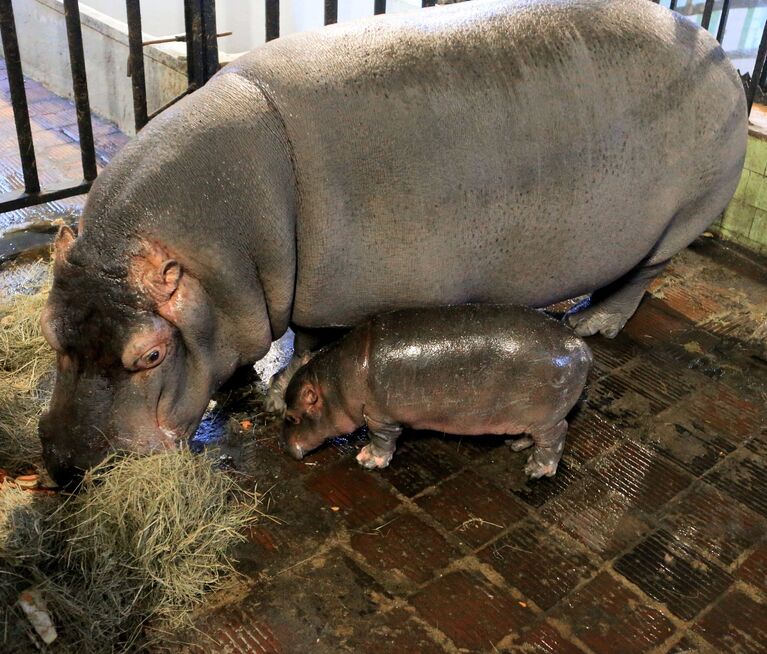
x=45 y=57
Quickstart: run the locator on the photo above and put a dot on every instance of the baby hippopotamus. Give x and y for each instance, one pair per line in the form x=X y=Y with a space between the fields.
x=464 y=370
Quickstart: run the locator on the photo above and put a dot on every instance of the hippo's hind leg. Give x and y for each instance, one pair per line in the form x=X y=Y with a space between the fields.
x=549 y=443
x=613 y=305
x=383 y=441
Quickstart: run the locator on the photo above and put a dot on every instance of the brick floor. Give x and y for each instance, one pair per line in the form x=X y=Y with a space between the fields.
x=56 y=142
x=652 y=537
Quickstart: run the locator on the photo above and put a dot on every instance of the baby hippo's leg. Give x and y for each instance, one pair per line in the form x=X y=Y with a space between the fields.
x=520 y=443
x=549 y=443
x=275 y=396
x=383 y=441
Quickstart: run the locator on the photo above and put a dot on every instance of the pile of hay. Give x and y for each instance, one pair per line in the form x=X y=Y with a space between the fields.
x=121 y=564
x=25 y=360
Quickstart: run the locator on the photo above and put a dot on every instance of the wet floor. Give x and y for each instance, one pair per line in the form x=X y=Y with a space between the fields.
x=651 y=538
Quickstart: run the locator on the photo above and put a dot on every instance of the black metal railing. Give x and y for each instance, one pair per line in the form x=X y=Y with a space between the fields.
x=202 y=63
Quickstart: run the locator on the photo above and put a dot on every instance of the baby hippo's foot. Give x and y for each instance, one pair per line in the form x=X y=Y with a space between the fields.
x=541 y=463
x=372 y=457
x=275 y=401
x=549 y=445
x=519 y=444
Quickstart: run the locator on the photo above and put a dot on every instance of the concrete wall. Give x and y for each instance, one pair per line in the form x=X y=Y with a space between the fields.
x=45 y=58
x=745 y=220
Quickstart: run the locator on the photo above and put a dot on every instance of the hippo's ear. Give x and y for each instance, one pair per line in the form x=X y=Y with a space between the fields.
x=157 y=275
x=309 y=400
x=63 y=243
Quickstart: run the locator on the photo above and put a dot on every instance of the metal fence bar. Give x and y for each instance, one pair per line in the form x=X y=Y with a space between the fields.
x=18 y=97
x=759 y=68
x=379 y=7
x=428 y=3
x=672 y=5
x=80 y=88
x=194 y=44
x=723 y=20
x=708 y=9
x=272 y=19
x=331 y=12
x=136 y=63
x=209 y=37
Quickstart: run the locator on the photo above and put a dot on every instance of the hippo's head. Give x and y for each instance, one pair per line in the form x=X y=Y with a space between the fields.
x=138 y=358
x=312 y=416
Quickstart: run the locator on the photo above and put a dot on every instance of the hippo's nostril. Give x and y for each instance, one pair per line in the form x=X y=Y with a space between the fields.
x=295 y=450
x=67 y=478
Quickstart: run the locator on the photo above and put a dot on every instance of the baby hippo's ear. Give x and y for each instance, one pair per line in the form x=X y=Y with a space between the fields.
x=309 y=400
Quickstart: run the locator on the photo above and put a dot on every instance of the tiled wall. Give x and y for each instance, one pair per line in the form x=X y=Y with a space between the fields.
x=745 y=219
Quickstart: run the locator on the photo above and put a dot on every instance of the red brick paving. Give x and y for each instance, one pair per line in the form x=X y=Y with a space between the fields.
x=473 y=614
x=736 y=625
x=611 y=618
x=472 y=507
x=754 y=569
x=358 y=495
x=541 y=566
x=543 y=639
x=404 y=545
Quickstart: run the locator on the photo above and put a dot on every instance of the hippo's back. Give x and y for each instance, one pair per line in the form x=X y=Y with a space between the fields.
x=473 y=359
x=499 y=151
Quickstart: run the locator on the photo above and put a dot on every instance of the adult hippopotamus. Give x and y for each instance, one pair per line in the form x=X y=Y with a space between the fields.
x=500 y=151
x=468 y=369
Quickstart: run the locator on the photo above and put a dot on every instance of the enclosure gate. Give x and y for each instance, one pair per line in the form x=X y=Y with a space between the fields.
x=202 y=63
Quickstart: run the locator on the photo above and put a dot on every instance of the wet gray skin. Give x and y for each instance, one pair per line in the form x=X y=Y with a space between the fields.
x=465 y=370
x=493 y=151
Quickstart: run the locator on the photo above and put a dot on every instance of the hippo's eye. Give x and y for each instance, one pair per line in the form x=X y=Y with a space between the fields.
x=150 y=358
x=294 y=419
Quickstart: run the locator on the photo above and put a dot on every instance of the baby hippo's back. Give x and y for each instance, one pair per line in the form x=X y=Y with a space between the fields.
x=473 y=369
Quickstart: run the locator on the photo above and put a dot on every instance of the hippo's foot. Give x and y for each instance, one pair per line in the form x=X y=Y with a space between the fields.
x=549 y=445
x=275 y=401
x=371 y=457
x=598 y=320
x=541 y=464
x=519 y=444
x=613 y=305
x=278 y=384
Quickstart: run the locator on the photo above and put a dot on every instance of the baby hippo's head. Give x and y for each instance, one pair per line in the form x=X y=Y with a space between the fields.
x=308 y=420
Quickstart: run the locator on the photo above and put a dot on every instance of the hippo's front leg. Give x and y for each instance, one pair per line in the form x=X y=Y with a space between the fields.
x=549 y=443
x=383 y=441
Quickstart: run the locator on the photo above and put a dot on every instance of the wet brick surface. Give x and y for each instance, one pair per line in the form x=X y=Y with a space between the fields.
x=609 y=617
x=652 y=537
x=737 y=624
x=669 y=571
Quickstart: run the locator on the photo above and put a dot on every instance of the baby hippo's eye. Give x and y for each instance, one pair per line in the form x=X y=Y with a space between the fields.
x=151 y=358
x=294 y=419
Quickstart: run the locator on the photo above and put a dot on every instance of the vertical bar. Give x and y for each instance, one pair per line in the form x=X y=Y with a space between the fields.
x=428 y=3
x=190 y=63
x=723 y=20
x=708 y=9
x=272 y=19
x=672 y=4
x=756 y=76
x=18 y=97
x=80 y=87
x=209 y=38
x=136 y=63
x=379 y=7
x=331 y=12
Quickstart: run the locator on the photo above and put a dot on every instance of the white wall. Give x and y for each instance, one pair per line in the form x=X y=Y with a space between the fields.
x=45 y=57
x=245 y=18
